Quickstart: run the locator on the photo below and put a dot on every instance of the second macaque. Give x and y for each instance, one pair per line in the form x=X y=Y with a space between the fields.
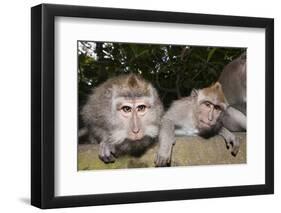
x=198 y=114
x=234 y=84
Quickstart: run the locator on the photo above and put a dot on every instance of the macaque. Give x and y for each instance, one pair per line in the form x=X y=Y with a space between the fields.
x=233 y=80
x=198 y=114
x=123 y=116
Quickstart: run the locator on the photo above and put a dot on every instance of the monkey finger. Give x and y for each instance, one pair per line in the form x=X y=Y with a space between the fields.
x=235 y=151
x=114 y=155
x=105 y=153
x=228 y=144
x=235 y=148
x=110 y=159
x=107 y=159
x=161 y=161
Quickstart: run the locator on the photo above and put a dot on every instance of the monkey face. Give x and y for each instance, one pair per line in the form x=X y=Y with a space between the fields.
x=208 y=115
x=132 y=114
x=123 y=115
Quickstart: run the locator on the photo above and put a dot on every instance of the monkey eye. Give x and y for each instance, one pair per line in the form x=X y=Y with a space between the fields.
x=141 y=108
x=218 y=108
x=126 y=109
x=207 y=104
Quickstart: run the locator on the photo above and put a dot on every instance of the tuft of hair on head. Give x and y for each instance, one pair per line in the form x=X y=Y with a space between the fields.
x=215 y=90
x=135 y=86
x=132 y=81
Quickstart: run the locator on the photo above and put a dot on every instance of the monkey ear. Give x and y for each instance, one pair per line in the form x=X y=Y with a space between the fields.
x=194 y=93
x=217 y=85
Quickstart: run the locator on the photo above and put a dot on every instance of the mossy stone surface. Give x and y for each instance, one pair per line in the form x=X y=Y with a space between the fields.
x=188 y=151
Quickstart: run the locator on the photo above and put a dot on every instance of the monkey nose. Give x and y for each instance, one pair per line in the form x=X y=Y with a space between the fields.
x=136 y=130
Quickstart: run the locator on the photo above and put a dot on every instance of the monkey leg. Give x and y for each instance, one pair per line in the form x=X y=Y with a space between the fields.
x=106 y=152
x=231 y=140
x=234 y=120
x=166 y=142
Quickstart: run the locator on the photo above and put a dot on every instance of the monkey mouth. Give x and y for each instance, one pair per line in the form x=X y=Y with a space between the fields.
x=135 y=137
x=205 y=124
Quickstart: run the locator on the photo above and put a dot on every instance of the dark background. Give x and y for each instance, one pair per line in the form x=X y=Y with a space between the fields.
x=173 y=69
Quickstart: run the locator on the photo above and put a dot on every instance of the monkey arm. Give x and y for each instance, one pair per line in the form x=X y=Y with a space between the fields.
x=166 y=142
x=106 y=146
x=231 y=140
x=234 y=120
x=106 y=152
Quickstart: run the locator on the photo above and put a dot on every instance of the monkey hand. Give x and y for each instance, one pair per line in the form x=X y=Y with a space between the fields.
x=235 y=147
x=230 y=140
x=106 y=151
x=234 y=144
x=163 y=158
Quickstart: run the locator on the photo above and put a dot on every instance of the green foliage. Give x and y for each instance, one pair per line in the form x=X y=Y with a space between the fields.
x=173 y=69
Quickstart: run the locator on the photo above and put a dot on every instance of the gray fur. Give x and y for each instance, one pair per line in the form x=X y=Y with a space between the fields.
x=231 y=140
x=234 y=83
x=106 y=128
x=182 y=119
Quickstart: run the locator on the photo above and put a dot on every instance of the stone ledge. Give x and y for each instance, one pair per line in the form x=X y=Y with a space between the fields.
x=188 y=151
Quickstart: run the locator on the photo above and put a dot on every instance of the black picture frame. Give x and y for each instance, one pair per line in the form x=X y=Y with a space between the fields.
x=43 y=117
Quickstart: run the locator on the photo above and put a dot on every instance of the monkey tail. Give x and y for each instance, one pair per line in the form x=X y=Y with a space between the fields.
x=82 y=132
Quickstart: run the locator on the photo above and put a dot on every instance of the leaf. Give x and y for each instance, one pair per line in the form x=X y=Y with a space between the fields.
x=211 y=53
x=142 y=53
